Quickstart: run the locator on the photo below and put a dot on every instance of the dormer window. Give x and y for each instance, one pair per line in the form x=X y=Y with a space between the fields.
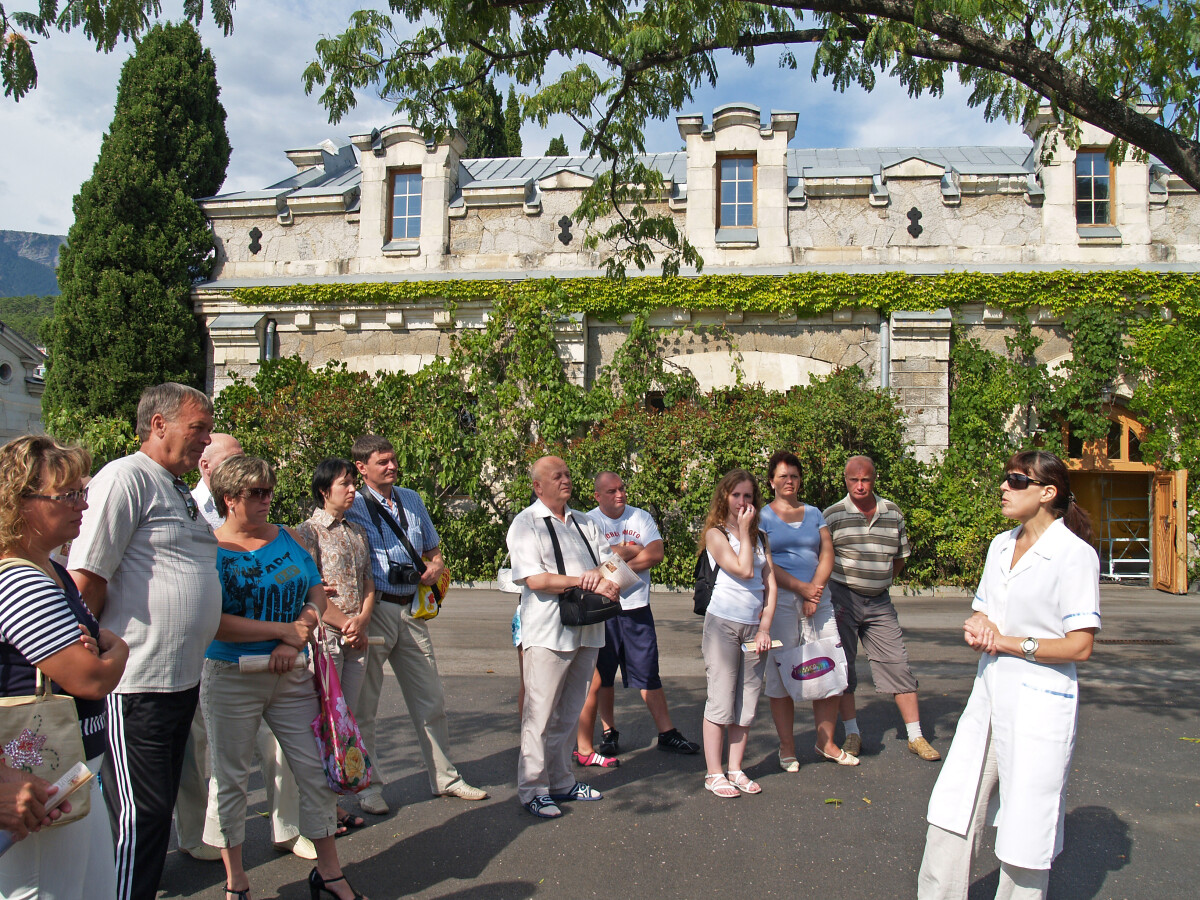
x=404 y=214
x=1093 y=188
x=737 y=183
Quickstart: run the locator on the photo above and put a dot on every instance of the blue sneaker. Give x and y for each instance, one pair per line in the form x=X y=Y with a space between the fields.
x=581 y=791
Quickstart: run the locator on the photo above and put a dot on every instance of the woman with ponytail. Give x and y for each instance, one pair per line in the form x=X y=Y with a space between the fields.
x=1037 y=611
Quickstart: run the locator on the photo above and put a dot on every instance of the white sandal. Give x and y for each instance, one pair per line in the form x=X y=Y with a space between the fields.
x=845 y=759
x=721 y=786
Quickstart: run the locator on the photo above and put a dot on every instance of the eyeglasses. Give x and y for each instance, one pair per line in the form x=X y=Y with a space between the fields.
x=188 y=500
x=258 y=493
x=1018 y=481
x=70 y=498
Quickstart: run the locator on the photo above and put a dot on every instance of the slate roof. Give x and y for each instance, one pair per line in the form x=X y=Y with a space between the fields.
x=809 y=162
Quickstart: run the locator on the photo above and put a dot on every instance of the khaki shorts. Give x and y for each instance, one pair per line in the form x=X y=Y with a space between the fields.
x=735 y=677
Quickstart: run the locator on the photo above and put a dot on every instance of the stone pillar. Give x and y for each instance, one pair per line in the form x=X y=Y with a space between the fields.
x=920 y=368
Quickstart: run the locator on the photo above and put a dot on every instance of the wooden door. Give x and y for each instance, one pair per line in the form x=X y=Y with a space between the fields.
x=1169 y=533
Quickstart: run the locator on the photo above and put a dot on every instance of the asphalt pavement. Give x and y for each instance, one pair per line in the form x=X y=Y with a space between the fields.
x=1133 y=821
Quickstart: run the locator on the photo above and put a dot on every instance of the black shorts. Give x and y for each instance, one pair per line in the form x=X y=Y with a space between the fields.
x=631 y=644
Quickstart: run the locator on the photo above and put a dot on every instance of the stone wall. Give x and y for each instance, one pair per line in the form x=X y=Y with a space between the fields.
x=1175 y=228
x=311 y=245
x=989 y=227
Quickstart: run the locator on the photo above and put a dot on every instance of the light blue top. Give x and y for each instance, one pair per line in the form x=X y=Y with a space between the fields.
x=269 y=584
x=795 y=546
x=384 y=544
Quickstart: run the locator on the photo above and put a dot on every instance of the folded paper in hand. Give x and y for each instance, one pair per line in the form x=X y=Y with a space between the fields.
x=616 y=569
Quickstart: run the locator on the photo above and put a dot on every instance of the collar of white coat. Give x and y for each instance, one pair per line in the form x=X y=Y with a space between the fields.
x=540 y=510
x=1053 y=539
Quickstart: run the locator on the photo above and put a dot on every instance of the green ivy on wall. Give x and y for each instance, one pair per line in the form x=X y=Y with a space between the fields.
x=805 y=294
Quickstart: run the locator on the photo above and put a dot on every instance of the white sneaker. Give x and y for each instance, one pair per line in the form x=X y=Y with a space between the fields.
x=371 y=801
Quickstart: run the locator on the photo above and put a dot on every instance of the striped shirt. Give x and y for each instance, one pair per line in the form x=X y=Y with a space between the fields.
x=385 y=546
x=863 y=551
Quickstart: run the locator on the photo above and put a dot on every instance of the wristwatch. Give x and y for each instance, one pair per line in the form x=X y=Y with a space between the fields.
x=1029 y=647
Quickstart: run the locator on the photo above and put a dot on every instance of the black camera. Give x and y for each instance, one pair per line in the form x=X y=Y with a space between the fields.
x=402 y=573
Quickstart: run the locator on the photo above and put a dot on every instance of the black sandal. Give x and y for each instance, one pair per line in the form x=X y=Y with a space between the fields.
x=317 y=886
x=243 y=894
x=348 y=820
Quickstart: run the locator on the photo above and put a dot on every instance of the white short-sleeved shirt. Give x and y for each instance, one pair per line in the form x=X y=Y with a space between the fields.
x=532 y=553
x=635 y=525
x=164 y=597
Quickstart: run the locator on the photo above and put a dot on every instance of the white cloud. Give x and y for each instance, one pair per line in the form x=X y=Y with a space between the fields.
x=51 y=138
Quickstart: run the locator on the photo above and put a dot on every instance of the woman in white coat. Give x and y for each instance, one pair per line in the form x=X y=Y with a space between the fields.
x=1037 y=612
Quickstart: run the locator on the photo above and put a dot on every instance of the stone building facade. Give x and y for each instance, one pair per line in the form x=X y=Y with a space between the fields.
x=21 y=385
x=388 y=206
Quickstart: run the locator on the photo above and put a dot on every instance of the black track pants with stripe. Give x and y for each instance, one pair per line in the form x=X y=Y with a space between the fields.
x=146 y=737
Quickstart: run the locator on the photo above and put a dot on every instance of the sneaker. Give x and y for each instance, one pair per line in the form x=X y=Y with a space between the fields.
x=608 y=744
x=922 y=748
x=581 y=791
x=371 y=801
x=595 y=759
x=202 y=852
x=853 y=744
x=464 y=791
x=674 y=742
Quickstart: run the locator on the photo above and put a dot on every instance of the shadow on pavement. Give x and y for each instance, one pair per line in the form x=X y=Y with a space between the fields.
x=1096 y=842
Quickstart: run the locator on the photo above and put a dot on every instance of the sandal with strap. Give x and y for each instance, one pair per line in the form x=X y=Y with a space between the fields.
x=318 y=886
x=789 y=763
x=243 y=894
x=721 y=786
x=743 y=782
x=595 y=759
x=842 y=759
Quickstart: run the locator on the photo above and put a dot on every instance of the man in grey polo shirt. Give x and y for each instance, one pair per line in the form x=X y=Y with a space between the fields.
x=558 y=660
x=145 y=562
x=870 y=546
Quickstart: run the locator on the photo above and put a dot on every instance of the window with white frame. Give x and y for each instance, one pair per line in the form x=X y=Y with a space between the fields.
x=1093 y=188
x=737 y=177
x=404 y=219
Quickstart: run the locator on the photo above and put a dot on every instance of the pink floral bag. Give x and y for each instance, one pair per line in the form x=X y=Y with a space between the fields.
x=339 y=743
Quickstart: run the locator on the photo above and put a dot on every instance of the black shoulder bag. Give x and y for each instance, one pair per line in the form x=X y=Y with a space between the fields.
x=577 y=607
x=401 y=531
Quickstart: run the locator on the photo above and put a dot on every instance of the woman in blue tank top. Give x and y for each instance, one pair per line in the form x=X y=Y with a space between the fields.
x=803 y=554
x=269 y=586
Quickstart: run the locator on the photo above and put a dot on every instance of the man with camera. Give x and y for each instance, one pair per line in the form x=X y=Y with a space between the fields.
x=404 y=554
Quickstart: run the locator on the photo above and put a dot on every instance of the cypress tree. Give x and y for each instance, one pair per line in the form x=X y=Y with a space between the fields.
x=558 y=147
x=481 y=121
x=124 y=320
x=512 y=123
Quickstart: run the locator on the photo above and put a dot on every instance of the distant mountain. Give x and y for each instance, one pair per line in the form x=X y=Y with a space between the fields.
x=27 y=263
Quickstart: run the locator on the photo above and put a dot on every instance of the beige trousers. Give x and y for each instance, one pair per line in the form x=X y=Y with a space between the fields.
x=556 y=685
x=235 y=705
x=946 y=868
x=408 y=649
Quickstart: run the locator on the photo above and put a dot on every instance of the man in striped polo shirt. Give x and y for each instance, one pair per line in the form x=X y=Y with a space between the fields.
x=870 y=546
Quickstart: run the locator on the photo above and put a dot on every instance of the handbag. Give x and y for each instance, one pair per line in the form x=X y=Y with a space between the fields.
x=577 y=607
x=427 y=602
x=813 y=671
x=339 y=743
x=39 y=733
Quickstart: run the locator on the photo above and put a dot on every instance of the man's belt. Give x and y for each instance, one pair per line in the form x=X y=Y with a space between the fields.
x=394 y=598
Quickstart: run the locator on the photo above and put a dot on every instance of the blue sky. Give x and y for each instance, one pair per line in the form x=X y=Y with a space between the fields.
x=51 y=138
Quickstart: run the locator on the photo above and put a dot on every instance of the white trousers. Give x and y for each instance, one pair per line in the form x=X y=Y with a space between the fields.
x=236 y=704
x=68 y=862
x=556 y=685
x=408 y=649
x=946 y=868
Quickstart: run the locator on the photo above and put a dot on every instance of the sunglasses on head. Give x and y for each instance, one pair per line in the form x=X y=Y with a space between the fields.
x=1018 y=481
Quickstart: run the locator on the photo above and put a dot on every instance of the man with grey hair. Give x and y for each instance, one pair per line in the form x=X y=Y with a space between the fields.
x=870 y=545
x=145 y=562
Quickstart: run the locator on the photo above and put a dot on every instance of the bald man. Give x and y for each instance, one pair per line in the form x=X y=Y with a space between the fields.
x=630 y=641
x=870 y=546
x=221 y=447
x=553 y=548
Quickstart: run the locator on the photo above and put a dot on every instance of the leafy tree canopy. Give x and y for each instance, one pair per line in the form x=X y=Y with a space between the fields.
x=104 y=22
x=1127 y=67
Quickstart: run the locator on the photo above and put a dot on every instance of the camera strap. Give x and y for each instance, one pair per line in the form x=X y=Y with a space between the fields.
x=378 y=511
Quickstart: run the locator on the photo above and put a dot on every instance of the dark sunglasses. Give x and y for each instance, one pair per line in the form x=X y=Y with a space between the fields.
x=1018 y=481
x=188 y=501
x=258 y=493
